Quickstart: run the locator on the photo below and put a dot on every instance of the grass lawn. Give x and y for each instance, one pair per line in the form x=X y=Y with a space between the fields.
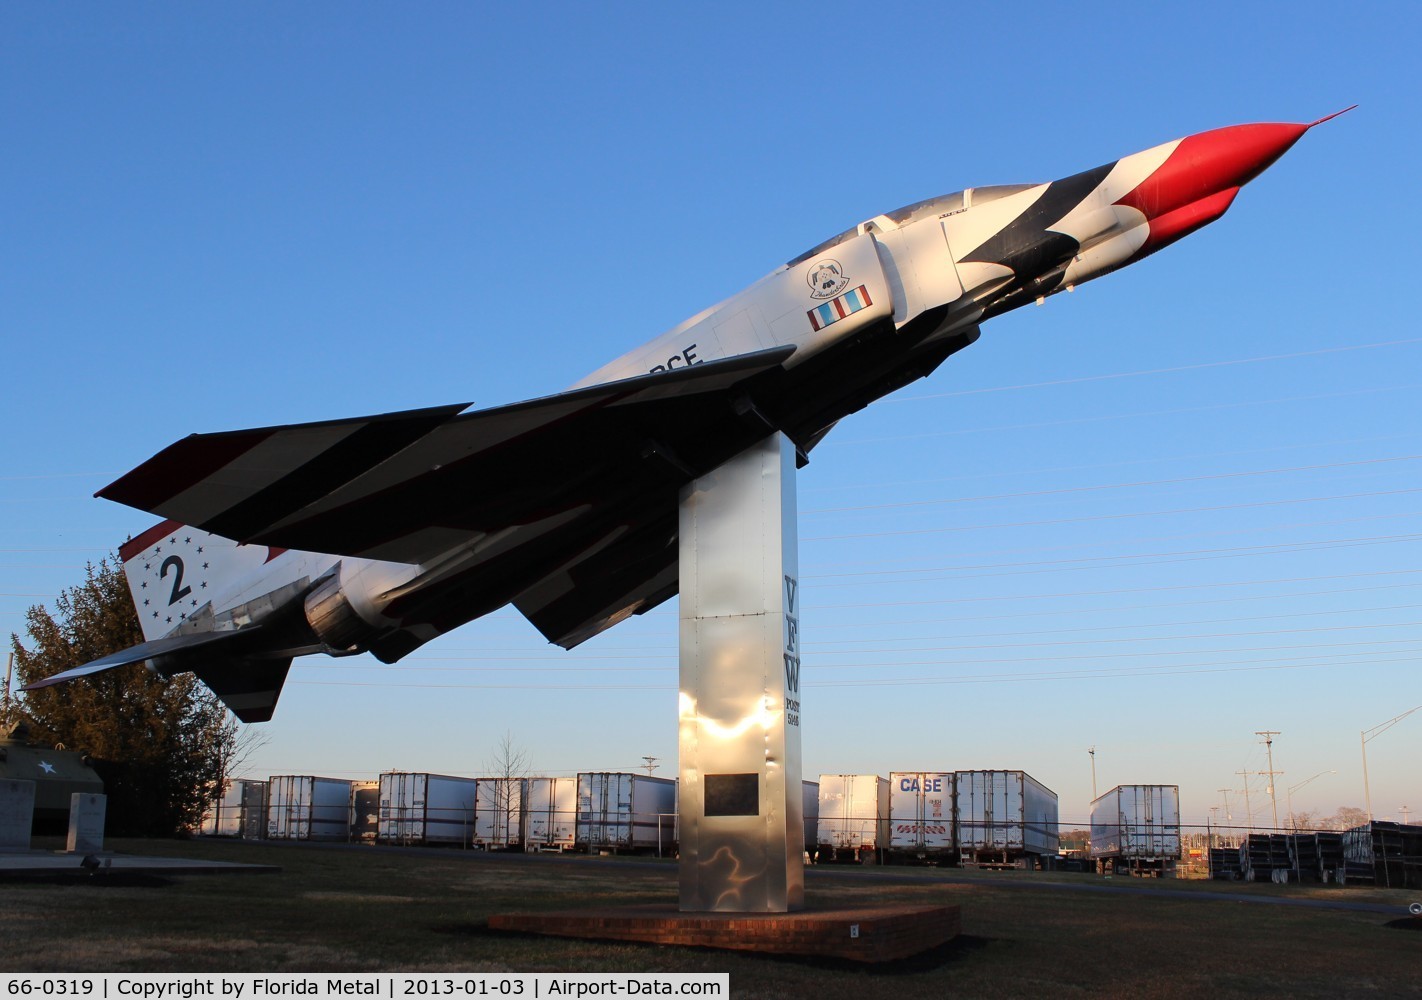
x=356 y=909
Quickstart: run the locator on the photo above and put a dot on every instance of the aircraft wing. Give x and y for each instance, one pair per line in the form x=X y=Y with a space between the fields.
x=602 y=465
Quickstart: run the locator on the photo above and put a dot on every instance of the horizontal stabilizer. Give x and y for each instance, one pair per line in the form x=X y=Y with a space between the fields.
x=167 y=646
x=248 y=682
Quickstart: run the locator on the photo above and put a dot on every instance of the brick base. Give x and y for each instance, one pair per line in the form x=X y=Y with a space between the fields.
x=884 y=933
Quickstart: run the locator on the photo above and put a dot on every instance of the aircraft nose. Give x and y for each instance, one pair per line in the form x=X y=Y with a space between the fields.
x=1210 y=163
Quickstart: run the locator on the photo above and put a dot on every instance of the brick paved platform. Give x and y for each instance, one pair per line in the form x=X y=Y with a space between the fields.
x=862 y=934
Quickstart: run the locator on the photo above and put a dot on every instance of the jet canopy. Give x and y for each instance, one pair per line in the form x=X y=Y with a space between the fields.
x=928 y=208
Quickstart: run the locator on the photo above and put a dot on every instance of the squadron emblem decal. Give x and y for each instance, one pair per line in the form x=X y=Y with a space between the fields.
x=826 y=278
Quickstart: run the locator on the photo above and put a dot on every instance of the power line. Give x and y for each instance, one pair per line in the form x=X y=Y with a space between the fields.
x=1017 y=678
x=1127 y=560
x=1096 y=593
x=1088 y=673
x=1000 y=473
x=1169 y=512
x=1198 y=366
x=1106 y=417
x=649 y=652
x=1117 y=628
x=1107 y=486
x=668 y=663
x=1116 y=541
x=1038 y=613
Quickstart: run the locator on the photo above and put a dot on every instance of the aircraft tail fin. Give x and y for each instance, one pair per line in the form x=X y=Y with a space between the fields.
x=173 y=570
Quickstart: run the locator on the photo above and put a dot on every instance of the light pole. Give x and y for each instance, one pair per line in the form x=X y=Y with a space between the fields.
x=1092 y=750
x=1365 y=736
x=1269 y=735
x=1293 y=823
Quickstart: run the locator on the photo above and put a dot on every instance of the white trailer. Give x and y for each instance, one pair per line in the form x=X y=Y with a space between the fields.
x=1004 y=818
x=811 y=807
x=306 y=807
x=498 y=814
x=550 y=810
x=241 y=811
x=854 y=817
x=420 y=808
x=921 y=814
x=365 y=811
x=1136 y=829
x=622 y=811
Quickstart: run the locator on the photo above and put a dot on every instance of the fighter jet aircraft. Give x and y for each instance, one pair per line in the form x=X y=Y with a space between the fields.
x=377 y=534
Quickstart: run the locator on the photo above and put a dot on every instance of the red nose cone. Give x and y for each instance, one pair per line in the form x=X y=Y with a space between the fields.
x=1166 y=229
x=1211 y=162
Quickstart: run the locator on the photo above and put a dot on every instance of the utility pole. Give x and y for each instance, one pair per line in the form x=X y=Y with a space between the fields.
x=1269 y=735
x=651 y=763
x=1248 y=809
x=9 y=700
x=1368 y=734
x=1092 y=750
x=1214 y=824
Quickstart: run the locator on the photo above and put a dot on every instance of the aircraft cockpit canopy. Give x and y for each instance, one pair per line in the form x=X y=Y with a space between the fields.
x=929 y=207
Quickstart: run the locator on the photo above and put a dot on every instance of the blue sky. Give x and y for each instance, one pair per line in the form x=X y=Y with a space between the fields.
x=1155 y=516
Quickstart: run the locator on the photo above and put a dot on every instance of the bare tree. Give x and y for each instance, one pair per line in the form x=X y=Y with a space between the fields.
x=234 y=756
x=1345 y=818
x=508 y=767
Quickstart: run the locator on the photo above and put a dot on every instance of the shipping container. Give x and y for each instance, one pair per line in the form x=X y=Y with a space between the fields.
x=240 y=812
x=419 y=808
x=498 y=814
x=853 y=817
x=1137 y=828
x=921 y=814
x=550 y=811
x=1004 y=817
x=811 y=812
x=624 y=811
x=365 y=811
x=305 y=807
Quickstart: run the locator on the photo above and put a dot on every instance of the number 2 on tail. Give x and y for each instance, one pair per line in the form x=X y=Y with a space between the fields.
x=179 y=591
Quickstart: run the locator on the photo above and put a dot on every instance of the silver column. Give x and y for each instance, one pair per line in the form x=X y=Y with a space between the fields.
x=740 y=803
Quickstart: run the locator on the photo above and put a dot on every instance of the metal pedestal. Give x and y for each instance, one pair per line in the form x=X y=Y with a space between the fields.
x=742 y=829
